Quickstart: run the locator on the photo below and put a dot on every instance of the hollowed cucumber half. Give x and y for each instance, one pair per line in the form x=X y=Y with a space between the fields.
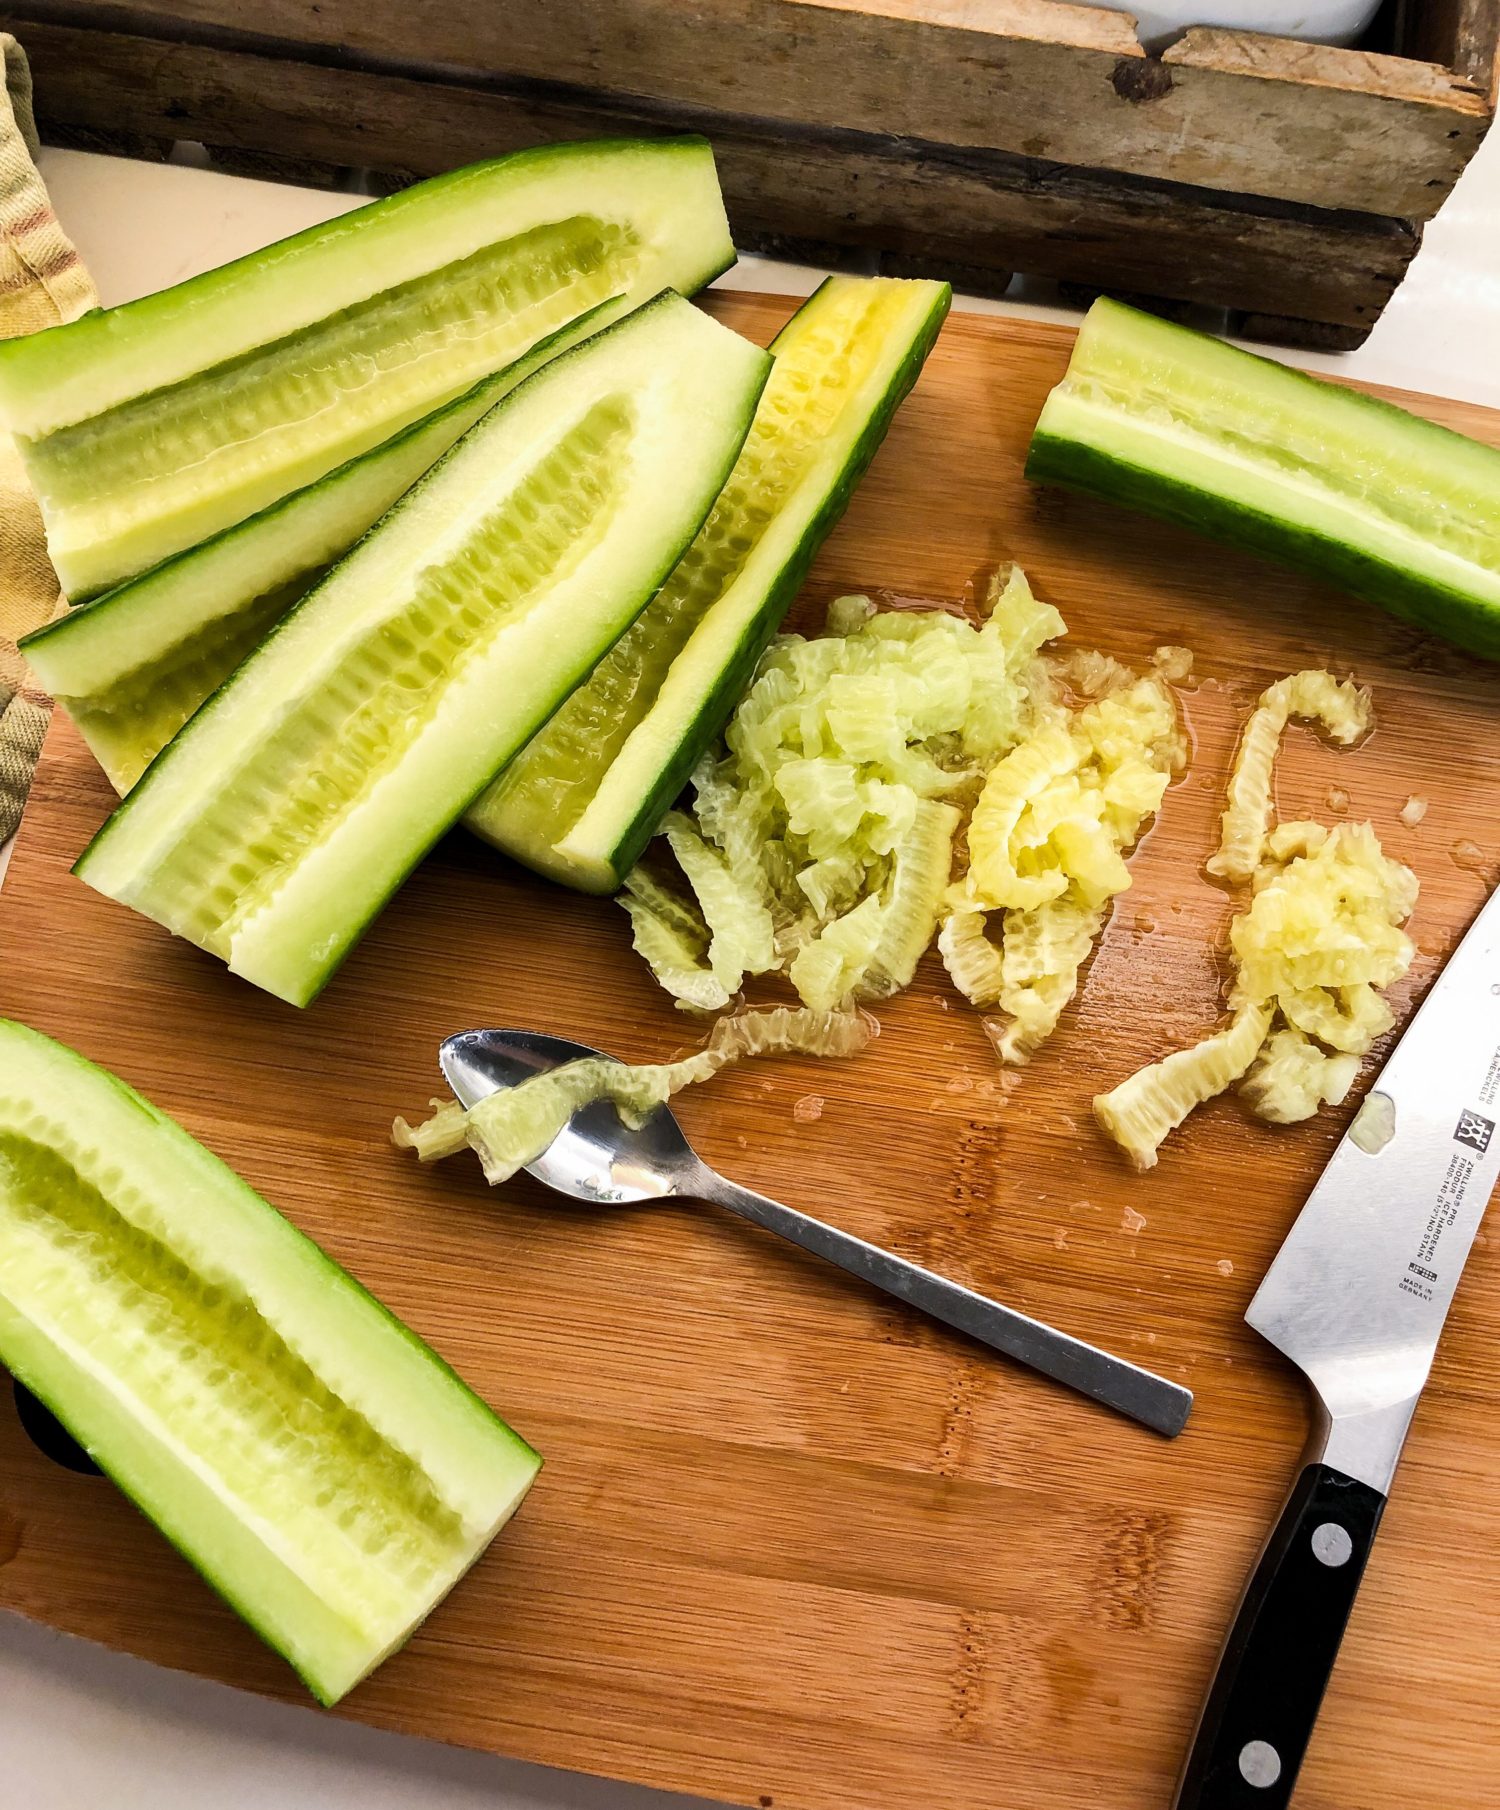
x=275 y=824
x=148 y=427
x=323 y=1469
x=1344 y=486
x=583 y=799
x=132 y=666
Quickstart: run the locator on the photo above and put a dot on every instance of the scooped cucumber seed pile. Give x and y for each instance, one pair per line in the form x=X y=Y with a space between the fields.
x=1318 y=938
x=910 y=775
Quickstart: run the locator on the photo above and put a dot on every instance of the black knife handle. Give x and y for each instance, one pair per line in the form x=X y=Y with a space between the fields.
x=1275 y=1667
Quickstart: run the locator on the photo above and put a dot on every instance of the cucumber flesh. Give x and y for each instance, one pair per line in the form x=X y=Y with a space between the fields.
x=149 y=427
x=587 y=794
x=320 y=1466
x=1342 y=485
x=132 y=666
x=276 y=823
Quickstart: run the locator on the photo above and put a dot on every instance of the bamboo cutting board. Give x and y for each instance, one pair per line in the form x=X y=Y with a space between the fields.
x=794 y=1547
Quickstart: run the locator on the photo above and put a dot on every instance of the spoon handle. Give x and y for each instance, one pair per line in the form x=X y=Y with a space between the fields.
x=1122 y=1386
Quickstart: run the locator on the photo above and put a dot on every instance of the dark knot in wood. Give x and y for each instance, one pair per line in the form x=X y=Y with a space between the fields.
x=1141 y=79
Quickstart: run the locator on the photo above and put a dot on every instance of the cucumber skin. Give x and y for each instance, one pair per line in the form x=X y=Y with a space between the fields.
x=134 y=593
x=39 y=348
x=87 y=608
x=320 y=978
x=163 y=1125
x=221 y=1587
x=64 y=351
x=1438 y=609
x=735 y=675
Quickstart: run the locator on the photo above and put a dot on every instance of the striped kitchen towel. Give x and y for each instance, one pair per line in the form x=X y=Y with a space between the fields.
x=42 y=282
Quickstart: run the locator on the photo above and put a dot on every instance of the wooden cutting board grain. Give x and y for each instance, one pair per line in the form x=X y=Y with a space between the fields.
x=794 y=1547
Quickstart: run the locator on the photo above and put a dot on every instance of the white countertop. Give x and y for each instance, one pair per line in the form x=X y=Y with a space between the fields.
x=80 y=1727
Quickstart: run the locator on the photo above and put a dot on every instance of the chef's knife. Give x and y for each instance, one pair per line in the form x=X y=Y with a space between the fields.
x=1356 y=1298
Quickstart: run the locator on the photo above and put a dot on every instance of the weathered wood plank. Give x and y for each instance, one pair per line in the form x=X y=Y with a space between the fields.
x=1294 y=330
x=926 y=206
x=1065 y=84
x=1463 y=35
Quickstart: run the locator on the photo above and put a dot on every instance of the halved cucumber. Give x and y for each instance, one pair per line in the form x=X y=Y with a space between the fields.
x=326 y=1472
x=1352 y=489
x=132 y=666
x=272 y=828
x=149 y=427
x=587 y=794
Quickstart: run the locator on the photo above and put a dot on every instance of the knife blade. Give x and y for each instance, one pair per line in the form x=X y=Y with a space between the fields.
x=1356 y=1298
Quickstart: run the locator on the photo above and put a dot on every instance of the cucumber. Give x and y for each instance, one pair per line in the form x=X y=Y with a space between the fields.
x=132 y=666
x=587 y=794
x=323 y=1469
x=276 y=823
x=1354 y=490
x=149 y=427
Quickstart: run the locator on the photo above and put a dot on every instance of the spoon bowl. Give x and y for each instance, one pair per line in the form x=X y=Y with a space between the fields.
x=596 y=1157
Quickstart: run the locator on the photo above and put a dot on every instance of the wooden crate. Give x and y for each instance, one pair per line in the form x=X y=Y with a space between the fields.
x=1284 y=181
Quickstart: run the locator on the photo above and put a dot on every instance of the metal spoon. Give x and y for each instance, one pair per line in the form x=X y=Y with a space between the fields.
x=597 y=1158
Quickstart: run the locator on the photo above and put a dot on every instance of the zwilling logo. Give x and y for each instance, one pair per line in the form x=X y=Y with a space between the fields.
x=1474 y=1130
